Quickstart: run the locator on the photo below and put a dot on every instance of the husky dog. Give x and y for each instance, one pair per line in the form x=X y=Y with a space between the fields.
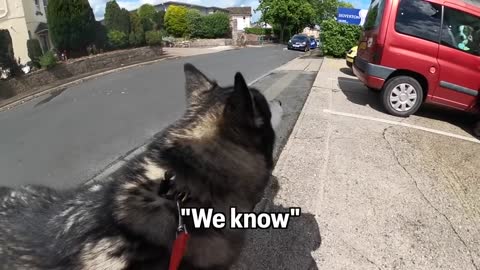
x=218 y=155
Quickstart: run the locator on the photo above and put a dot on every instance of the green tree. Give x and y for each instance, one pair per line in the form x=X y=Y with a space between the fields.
x=124 y=23
x=100 y=35
x=137 y=34
x=112 y=15
x=194 y=23
x=176 y=20
x=117 y=19
x=147 y=14
x=71 y=25
x=158 y=20
x=289 y=15
x=327 y=9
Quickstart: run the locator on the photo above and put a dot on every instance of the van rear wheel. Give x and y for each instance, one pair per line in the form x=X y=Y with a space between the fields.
x=402 y=96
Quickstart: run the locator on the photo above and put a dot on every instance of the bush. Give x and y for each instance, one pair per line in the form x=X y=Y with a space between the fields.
x=117 y=39
x=176 y=20
x=34 y=51
x=153 y=38
x=48 y=60
x=338 y=38
x=258 y=31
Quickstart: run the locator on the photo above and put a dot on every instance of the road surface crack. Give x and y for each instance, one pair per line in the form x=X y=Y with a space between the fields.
x=428 y=201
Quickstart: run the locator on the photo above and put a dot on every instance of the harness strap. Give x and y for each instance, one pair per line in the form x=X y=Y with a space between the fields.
x=180 y=244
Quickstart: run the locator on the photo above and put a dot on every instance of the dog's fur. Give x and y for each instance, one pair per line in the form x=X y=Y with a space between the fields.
x=219 y=154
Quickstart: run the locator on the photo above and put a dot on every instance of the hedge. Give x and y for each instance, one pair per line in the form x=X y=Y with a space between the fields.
x=258 y=31
x=338 y=38
x=216 y=25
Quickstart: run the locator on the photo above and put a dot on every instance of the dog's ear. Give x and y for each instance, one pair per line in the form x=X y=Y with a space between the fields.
x=196 y=82
x=240 y=106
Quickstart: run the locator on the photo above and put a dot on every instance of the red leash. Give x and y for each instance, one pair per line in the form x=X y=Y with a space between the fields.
x=180 y=244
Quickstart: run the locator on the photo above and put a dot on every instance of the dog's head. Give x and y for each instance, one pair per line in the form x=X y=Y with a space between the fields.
x=219 y=153
x=237 y=113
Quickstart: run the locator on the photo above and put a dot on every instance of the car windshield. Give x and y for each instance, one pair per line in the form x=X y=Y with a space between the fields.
x=299 y=38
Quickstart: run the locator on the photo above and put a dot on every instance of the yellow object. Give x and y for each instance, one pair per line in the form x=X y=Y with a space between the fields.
x=350 y=55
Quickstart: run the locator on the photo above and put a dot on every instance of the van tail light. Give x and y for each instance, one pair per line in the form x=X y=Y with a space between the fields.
x=377 y=54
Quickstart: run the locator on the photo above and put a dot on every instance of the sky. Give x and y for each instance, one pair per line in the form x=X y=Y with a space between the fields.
x=98 y=6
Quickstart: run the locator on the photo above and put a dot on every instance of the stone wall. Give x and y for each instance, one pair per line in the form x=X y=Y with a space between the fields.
x=211 y=42
x=75 y=69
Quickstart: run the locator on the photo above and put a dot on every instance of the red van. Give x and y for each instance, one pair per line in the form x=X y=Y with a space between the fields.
x=418 y=51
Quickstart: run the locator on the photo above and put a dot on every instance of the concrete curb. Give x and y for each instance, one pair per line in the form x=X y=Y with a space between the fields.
x=34 y=95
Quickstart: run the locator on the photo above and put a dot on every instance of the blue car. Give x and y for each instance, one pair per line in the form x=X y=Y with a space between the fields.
x=313 y=43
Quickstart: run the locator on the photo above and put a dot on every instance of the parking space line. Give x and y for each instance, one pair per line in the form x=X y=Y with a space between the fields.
x=404 y=125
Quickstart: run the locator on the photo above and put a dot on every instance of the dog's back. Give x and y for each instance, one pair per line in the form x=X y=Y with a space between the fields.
x=219 y=155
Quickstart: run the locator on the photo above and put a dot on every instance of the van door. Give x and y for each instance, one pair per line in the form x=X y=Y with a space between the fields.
x=371 y=38
x=459 y=59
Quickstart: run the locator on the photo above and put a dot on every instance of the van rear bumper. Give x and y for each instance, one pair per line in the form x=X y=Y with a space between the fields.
x=371 y=75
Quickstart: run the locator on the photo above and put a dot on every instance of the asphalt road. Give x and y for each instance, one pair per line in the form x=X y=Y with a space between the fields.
x=69 y=137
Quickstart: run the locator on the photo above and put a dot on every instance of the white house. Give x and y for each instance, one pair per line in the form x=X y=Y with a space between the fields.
x=25 y=19
x=243 y=16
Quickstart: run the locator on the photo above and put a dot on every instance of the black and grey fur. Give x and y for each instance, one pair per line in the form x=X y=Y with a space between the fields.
x=219 y=154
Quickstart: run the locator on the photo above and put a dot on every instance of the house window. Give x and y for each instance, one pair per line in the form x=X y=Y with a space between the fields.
x=37 y=3
x=45 y=3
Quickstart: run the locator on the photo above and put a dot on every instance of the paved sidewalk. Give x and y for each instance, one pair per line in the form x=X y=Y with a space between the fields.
x=375 y=194
x=184 y=52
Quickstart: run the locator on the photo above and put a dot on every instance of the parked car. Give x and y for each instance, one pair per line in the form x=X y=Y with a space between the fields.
x=350 y=56
x=418 y=51
x=313 y=43
x=299 y=42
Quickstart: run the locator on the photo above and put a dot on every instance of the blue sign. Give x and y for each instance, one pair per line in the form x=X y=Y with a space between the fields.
x=352 y=16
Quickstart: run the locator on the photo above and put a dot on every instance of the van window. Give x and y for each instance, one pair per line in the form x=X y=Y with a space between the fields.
x=374 y=15
x=420 y=19
x=461 y=31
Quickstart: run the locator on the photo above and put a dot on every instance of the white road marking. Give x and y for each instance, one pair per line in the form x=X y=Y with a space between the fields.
x=470 y=139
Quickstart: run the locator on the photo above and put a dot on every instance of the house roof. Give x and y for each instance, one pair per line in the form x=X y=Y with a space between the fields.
x=240 y=11
x=190 y=5
x=42 y=27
